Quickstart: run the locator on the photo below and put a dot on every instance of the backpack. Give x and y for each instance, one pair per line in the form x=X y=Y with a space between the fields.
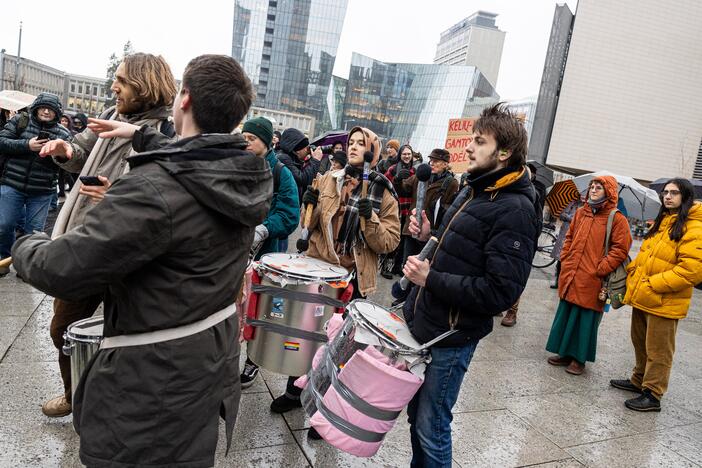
x=277 y=169
x=22 y=124
x=615 y=282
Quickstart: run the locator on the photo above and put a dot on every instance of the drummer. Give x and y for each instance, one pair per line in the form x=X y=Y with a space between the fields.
x=336 y=232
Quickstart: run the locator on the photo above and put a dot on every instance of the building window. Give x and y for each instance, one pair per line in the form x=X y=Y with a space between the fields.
x=265 y=56
x=269 y=30
x=80 y=89
x=95 y=90
x=273 y=3
x=271 y=17
x=73 y=87
x=267 y=43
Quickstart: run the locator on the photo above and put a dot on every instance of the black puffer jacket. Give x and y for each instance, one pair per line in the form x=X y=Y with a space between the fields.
x=483 y=260
x=24 y=170
x=304 y=172
x=167 y=246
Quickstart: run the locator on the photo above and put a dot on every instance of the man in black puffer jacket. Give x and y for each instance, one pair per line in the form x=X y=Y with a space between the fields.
x=296 y=155
x=480 y=268
x=28 y=182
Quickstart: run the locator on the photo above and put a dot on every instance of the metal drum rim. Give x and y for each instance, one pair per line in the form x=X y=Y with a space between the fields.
x=359 y=318
x=72 y=336
x=308 y=278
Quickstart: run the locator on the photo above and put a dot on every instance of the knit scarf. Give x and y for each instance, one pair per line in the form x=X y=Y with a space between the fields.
x=348 y=233
x=595 y=205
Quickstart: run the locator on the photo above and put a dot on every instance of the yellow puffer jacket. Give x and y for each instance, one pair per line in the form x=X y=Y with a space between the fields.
x=661 y=278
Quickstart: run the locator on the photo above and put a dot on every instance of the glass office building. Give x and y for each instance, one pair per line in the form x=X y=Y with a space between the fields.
x=413 y=102
x=288 y=49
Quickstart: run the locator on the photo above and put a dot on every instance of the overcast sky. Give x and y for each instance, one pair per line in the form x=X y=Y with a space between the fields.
x=79 y=36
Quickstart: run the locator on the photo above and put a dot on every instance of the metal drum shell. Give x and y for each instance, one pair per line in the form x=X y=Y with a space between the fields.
x=282 y=353
x=81 y=347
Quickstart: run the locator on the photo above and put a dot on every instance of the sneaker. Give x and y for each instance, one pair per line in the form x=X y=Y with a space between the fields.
x=56 y=407
x=249 y=375
x=284 y=403
x=386 y=274
x=559 y=361
x=625 y=384
x=644 y=402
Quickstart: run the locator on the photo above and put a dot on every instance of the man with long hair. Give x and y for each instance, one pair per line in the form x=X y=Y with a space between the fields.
x=167 y=246
x=145 y=89
x=480 y=267
x=659 y=289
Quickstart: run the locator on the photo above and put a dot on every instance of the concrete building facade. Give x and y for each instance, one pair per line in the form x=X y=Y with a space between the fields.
x=631 y=93
x=475 y=41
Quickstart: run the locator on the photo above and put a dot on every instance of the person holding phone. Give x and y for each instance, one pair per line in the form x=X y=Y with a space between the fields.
x=28 y=182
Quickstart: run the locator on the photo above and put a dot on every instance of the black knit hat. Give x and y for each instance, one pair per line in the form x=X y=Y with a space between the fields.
x=340 y=157
x=261 y=127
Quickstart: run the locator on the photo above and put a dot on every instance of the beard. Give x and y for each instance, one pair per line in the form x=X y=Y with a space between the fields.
x=490 y=166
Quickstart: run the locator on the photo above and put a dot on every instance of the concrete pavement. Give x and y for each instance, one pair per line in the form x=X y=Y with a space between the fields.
x=514 y=409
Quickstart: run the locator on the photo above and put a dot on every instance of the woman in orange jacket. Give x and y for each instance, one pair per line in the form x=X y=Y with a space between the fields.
x=584 y=266
x=658 y=288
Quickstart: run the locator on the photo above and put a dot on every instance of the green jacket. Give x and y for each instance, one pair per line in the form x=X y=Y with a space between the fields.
x=284 y=215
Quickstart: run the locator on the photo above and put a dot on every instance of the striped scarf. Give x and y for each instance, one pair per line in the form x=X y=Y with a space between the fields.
x=348 y=234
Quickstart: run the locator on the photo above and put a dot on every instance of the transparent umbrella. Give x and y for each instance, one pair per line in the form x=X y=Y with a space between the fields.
x=639 y=202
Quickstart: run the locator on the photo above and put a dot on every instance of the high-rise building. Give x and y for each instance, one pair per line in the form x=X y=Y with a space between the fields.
x=413 y=102
x=551 y=79
x=524 y=109
x=476 y=41
x=288 y=49
x=631 y=92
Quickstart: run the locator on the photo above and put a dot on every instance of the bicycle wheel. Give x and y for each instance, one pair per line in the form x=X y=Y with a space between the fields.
x=542 y=258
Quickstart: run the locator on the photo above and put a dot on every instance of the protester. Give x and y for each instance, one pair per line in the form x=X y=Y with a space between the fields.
x=397 y=174
x=28 y=182
x=584 y=266
x=326 y=164
x=566 y=218
x=659 y=288
x=390 y=157
x=296 y=155
x=80 y=122
x=145 y=88
x=336 y=235
x=480 y=268
x=276 y=140
x=338 y=160
x=284 y=214
x=65 y=178
x=440 y=192
x=168 y=247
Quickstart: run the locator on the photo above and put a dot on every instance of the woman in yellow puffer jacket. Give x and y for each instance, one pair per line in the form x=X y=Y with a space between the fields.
x=659 y=288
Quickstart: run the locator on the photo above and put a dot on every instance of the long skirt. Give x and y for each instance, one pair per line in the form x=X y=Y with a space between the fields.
x=574 y=332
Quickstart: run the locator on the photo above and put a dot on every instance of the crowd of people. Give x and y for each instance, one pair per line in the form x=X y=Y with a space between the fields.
x=172 y=202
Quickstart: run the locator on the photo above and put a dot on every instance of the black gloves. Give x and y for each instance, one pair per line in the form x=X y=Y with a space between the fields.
x=365 y=208
x=403 y=174
x=310 y=197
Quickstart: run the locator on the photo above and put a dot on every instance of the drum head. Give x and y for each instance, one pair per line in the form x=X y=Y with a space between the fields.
x=392 y=325
x=299 y=266
x=86 y=328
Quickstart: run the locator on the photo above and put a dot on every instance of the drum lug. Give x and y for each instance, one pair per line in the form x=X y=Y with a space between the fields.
x=67 y=347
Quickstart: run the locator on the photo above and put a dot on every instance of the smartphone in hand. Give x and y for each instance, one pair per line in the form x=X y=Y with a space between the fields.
x=90 y=181
x=44 y=136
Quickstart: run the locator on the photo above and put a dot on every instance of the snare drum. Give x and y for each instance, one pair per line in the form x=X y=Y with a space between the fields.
x=81 y=341
x=296 y=297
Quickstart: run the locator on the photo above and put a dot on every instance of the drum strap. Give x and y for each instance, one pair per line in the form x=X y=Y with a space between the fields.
x=287 y=331
x=168 y=334
x=298 y=296
x=354 y=400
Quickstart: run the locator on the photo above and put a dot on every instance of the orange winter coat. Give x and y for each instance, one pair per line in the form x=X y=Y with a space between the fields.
x=661 y=277
x=583 y=263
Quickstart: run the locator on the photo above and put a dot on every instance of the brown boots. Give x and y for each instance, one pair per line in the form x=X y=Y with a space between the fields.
x=57 y=407
x=510 y=317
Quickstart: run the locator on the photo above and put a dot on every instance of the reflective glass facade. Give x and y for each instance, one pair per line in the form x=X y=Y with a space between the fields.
x=288 y=49
x=413 y=102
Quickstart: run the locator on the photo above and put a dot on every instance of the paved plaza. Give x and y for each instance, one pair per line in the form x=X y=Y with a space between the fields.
x=514 y=409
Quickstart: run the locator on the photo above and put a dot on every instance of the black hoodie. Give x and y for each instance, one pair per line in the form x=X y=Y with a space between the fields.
x=304 y=172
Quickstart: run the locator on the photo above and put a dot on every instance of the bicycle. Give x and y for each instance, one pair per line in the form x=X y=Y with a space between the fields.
x=544 y=248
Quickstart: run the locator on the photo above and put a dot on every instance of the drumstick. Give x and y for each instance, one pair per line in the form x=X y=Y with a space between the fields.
x=6 y=262
x=399 y=289
x=367 y=159
x=303 y=243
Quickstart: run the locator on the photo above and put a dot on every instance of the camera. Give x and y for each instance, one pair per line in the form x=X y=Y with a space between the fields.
x=326 y=149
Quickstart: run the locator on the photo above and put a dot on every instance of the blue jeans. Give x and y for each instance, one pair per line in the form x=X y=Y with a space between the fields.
x=429 y=412
x=13 y=206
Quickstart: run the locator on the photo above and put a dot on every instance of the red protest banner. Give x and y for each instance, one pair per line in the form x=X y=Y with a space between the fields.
x=458 y=137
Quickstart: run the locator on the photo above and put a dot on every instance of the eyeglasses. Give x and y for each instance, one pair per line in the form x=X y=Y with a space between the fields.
x=672 y=193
